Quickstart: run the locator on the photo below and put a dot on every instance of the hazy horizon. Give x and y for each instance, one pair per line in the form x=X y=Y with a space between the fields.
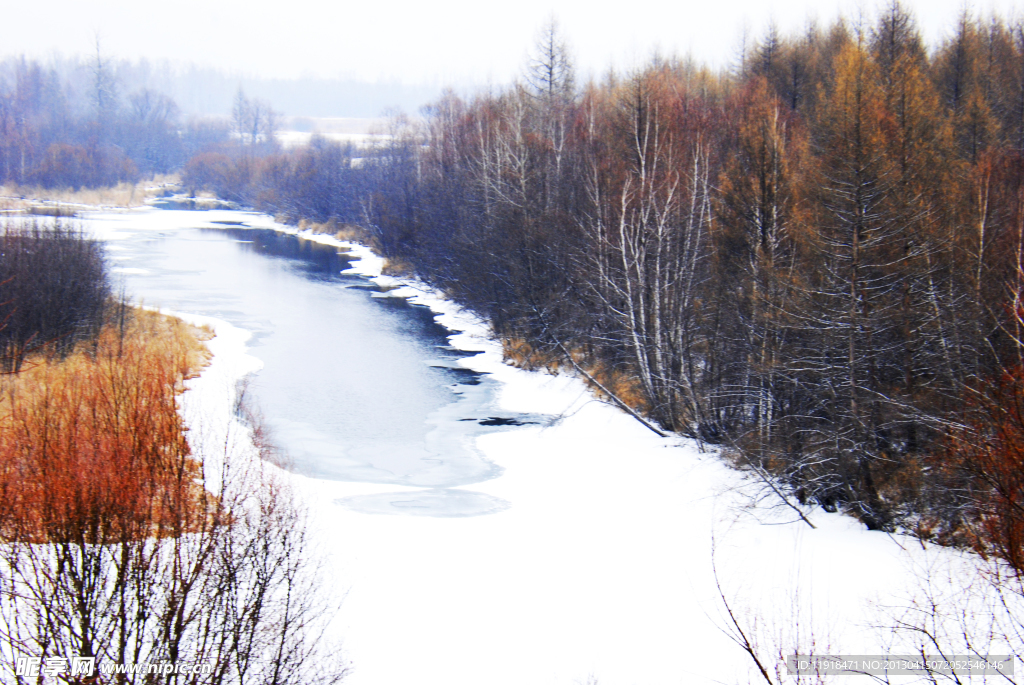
x=325 y=63
x=453 y=43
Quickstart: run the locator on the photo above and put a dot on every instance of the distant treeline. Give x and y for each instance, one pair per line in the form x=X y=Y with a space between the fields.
x=203 y=91
x=815 y=258
x=97 y=122
x=83 y=128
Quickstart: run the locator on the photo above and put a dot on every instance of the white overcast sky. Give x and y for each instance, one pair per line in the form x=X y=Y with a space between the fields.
x=455 y=42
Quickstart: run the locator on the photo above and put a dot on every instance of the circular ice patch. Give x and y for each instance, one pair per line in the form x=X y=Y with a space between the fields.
x=439 y=502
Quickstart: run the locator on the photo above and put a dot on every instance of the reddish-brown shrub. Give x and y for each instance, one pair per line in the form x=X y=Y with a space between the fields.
x=989 y=453
x=93 y=448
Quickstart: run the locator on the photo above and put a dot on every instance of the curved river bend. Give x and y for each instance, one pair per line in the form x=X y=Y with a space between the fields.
x=356 y=385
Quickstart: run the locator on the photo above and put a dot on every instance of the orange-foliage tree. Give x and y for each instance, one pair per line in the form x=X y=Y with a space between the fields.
x=120 y=542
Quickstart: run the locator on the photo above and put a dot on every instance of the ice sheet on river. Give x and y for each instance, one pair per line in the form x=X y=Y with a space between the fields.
x=355 y=384
x=601 y=568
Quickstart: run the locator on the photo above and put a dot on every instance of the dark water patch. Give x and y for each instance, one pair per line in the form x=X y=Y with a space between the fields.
x=503 y=421
x=313 y=259
x=456 y=352
x=423 y=314
x=461 y=375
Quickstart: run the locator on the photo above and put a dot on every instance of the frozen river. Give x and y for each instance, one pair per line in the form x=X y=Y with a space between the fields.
x=355 y=385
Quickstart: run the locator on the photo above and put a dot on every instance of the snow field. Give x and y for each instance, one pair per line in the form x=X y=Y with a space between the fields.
x=601 y=569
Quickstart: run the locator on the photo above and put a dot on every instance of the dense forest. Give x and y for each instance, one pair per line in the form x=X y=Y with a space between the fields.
x=814 y=260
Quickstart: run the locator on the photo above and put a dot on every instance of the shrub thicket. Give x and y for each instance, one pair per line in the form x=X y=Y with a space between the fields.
x=121 y=542
x=54 y=288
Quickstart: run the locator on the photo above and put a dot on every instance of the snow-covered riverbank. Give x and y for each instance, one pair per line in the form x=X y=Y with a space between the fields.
x=600 y=568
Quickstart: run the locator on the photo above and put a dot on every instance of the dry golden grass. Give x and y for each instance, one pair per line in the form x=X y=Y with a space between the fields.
x=623 y=382
x=398 y=268
x=151 y=334
x=523 y=355
x=619 y=380
x=123 y=195
x=92 y=446
x=341 y=231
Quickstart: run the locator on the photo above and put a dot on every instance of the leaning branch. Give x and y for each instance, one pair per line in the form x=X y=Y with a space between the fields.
x=735 y=632
x=614 y=398
x=767 y=480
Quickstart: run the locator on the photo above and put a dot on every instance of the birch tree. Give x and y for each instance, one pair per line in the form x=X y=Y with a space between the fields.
x=760 y=200
x=649 y=224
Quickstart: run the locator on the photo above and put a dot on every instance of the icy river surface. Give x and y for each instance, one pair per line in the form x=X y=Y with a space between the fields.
x=606 y=552
x=355 y=385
